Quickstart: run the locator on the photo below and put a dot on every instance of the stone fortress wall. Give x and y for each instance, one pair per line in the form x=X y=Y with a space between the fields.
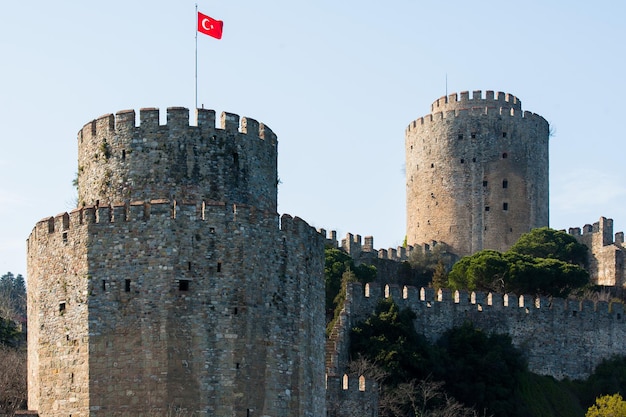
x=606 y=253
x=561 y=338
x=200 y=298
x=476 y=172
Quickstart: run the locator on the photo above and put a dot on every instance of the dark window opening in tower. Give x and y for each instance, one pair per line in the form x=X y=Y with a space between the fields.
x=460 y=136
x=123 y=154
x=505 y=206
x=183 y=285
x=505 y=155
x=484 y=183
x=104 y=285
x=486 y=208
x=432 y=165
x=61 y=307
x=462 y=160
x=219 y=267
x=504 y=134
x=127 y=285
x=473 y=159
x=473 y=135
x=505 y=184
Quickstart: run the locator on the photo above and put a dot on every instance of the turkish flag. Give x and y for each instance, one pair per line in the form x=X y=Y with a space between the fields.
x=210 y=26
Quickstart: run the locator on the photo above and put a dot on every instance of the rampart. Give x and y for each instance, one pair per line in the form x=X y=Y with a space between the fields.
x=607 y=253
x=351 y=395
x=120 y=160
x=559 y=337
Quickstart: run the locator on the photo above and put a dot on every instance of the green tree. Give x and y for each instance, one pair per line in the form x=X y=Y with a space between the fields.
x=608 y=406
x=482 y=370
x=514 y=272
x=337 y=263
x=544 y=242
x=388 y=338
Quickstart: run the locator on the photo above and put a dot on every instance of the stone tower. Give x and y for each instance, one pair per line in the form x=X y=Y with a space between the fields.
x=476 y=172
x=175 y=285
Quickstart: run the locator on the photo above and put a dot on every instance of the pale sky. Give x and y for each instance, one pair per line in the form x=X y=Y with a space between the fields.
x=337 y=81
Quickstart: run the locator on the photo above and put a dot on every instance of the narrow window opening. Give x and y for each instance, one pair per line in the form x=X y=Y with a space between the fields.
x=505 y=184
x=183 y=285
x=64 y=237
x=460 y=136
x=432 y=165
x=61 y=307
x=237 y=365
x=104 y=285
x=189 y=266
x=484 y=183
x=619 y=316
x=219 y=267
x=473 y=135
x=505 y=206
x=211 y=229
x=486 y=208
x=126 y=285
x=235 y=311
x=504 y=134
x=574 y=313
x=510 y=229
x=473 y=159
x=236 y=159
x=505 y=155
x=462 y=160
x=123 y=154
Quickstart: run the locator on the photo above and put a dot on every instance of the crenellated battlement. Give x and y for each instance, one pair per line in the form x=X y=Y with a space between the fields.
x=409 y=297
x=355 y=245
x=523 y=116
x=463 y=100
x=559 y=337
x=177 y=118
x=120 y=159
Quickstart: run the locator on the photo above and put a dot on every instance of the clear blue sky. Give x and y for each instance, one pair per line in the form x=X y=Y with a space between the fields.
x=338 y=82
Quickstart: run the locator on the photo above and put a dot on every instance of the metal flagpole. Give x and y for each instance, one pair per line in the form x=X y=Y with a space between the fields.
x=196 y=26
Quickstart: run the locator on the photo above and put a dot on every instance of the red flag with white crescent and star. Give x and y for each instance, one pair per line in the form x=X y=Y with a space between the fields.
x=210 y=26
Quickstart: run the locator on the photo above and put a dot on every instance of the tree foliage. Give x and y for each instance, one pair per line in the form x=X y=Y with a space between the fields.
x=480 y=370
x=521 y=271
x=608 y=406
x=12 y=296
x=544 y=242
x=13 y=391
x=337 y=263
x=389 y=339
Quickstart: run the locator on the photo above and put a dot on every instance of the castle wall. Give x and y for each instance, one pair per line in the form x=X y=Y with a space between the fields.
x=351 y=396
x=606 y=256
x=476 y=172
x=560 y=338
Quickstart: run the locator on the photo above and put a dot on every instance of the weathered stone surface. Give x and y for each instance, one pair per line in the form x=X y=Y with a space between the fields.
x=194 y=295
x=476 y=173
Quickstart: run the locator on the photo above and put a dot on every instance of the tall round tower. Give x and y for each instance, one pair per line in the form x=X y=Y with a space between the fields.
x=476 y=173
x=175 y=285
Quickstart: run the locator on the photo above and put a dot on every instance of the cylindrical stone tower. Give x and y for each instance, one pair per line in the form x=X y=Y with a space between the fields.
x=476 y=173
x=174 y=287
